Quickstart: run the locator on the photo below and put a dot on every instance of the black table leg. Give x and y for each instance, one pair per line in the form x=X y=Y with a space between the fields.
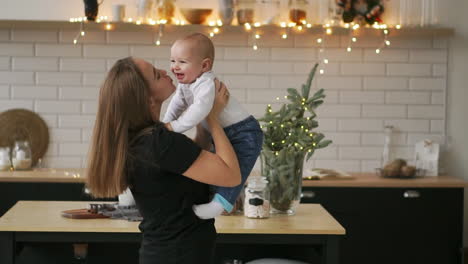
x=330 y=254
x=7 y=248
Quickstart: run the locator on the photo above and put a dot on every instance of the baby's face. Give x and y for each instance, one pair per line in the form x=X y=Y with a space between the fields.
x=185 y=63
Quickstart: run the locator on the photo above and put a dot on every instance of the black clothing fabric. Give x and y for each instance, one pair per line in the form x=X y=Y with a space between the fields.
x=172 y=233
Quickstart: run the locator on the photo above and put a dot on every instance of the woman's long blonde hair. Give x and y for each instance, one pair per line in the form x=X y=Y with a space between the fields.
x=123 y=111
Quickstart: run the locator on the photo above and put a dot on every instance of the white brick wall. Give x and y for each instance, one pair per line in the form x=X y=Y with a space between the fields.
x=403 y=86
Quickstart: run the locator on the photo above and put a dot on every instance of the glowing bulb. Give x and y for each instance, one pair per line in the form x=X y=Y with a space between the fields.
x=277 y=98
x=377 y=51
x=387 y=42
x=398 y=26
x=257 y=24
x=291 y=24
x=346 y=25
x=219 y=22
x=348 y=49
x=356 y=26
x=212 y=34
x=247 y=26
x=212 y=23
x=319 y=40
x=284 y=36
x=325 y=61
x=299 y=28
x=108 y=27
x=327 y=25
x=309 y=25
x=216 y=30
x=255 y=47
x=385 y=32
x=72 y=20
x=329 y=31
x=130 y=19
x=158 y=42
x=138 y=22
x=82 y=33
x=353 y=39
x=75 y=41
x=257 y=36
x=283 y=24
x=322 y=71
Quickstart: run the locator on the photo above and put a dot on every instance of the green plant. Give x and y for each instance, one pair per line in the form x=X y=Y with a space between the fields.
x=288 y=135
x=291 y=128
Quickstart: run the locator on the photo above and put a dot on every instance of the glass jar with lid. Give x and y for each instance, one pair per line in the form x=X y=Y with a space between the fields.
x=5 y=162
x=267 y=11
x=257 y=198
x=245 y=11
x=297 y=11
x=21 y=156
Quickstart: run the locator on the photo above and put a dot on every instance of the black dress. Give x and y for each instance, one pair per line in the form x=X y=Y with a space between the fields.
x=172 y=233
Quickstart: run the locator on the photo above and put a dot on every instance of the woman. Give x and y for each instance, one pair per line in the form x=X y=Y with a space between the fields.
x=167 y=172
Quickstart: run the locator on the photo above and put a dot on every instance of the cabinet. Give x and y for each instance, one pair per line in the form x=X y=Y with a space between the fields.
x=395 y=225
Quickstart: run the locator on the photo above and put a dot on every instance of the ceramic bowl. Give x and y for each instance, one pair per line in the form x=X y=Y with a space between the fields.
x=196 y=15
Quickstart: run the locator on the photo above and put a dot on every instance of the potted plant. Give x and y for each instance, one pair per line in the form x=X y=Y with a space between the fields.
x=289 y=137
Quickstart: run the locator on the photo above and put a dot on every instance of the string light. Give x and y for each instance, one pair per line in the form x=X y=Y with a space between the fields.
x=247 y=26
x=255 y=47
x=108 y=26
x=319 y=40
x=353 y=39
x=398 y=26
x=349 y=49
x=284 y=36
x=212 y=34
x=325 y=61
x=377 y=51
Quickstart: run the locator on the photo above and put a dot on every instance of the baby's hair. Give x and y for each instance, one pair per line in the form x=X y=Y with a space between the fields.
x=203 y=43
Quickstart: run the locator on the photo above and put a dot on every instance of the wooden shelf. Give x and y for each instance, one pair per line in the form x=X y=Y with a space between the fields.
x=121 y=26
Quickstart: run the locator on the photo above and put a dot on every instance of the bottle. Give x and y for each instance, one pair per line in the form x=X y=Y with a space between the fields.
x=245 y=11
x=5 y=163
x=387 y=151
x=21 y=156
x=257 y=198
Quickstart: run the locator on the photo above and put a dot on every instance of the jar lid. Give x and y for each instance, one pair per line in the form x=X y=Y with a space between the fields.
x=257 y=182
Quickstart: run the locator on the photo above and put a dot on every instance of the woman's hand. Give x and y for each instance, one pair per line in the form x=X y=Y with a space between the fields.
x=220 y=101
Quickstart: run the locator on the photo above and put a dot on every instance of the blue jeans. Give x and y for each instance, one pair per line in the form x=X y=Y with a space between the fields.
x=246 y=138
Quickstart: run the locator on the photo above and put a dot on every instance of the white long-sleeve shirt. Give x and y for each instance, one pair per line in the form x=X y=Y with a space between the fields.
x=192 y=102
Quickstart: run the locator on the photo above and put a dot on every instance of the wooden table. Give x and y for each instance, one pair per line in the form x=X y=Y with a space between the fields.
x=40 y=221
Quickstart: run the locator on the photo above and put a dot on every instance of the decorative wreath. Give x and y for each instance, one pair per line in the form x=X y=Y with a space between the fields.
x=361 y=11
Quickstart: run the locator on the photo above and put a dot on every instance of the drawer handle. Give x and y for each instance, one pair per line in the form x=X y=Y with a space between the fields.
x=308 y=194
x=411 y=194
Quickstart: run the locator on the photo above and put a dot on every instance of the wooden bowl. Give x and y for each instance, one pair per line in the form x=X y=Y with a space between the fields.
x=196 y=15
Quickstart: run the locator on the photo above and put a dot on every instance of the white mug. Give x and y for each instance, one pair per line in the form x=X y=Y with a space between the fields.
x=118 y=13
x=126 y=198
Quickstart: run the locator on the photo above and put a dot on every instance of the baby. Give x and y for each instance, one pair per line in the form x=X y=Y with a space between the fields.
x=191 y=62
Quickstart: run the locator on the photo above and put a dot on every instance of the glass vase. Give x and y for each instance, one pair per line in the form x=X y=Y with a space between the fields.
x=283 y=170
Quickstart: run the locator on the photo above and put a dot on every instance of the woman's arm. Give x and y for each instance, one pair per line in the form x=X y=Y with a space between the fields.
x=202 y=138
x=220 y=168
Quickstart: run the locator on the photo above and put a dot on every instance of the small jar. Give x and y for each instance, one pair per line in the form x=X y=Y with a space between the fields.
x=245 y=11
x=257 y=198
x=297 y=11
x=5 y=162
x=21 y=156
x=166 y=9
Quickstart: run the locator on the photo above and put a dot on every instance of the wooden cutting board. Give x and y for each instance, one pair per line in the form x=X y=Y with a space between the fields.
x=81 y=214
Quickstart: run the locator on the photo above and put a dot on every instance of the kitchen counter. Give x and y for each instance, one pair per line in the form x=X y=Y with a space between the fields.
x=358 y=180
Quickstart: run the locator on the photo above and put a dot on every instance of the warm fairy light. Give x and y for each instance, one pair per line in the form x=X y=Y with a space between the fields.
x=257 y=24
x=346 y=25
x=108 y=27
x=387 y=42
x=138 y=22
x=322 y=71
x=212 y=23
x=348 y=49
x=383 y=26
x=219 y=22
x=376 y=25
x=377 y=51
x=82 y=33
x=325 y=61
x=182 y=22
x=283 y=24
x=303 y=22
x=152 y=22
x=130 y=19
x=385 y=32
x=257 y=36
x=353 y=39
x=247 y=26
x=80 y=19
x=216 y=30
x=277 y=98
x=75 y=41
x=319 y=40
x=309 y=25
x=299 y=28
x=398 y=26
x=327 y=25
x=212 y=34
x=329 y=31
x=255 y=47
x=291 y=24
x=72 y=20
x=162 y=21
x=284 y=36
x=158 y=42
x=356 y=26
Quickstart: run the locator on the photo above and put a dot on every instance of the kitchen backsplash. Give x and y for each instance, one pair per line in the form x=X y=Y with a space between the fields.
x=403 y=86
